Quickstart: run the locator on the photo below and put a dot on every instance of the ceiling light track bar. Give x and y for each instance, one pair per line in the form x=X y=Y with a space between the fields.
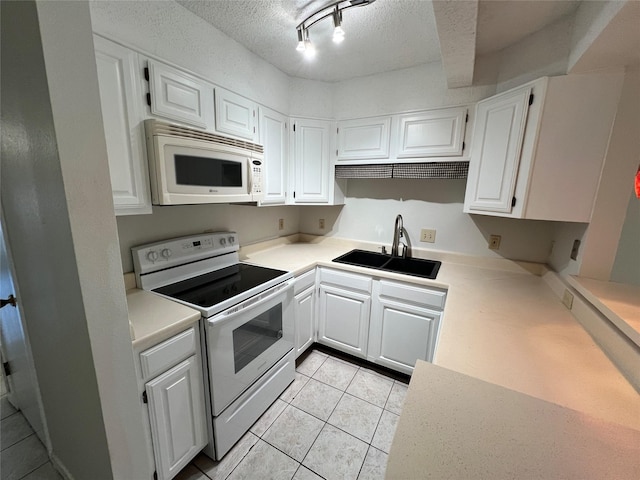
x=333 y=10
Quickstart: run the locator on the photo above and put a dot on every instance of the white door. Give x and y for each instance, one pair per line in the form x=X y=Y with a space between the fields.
x=365 y=138
x=120 y=96
x=274 y=135
x=431 y=134
x=311 y=160
x=177 y=417
x=178 y=96
x=304 y=304
x=343 y=321
x=401 y=334
x=23 y=390
x=235 y=115
x=495 y=151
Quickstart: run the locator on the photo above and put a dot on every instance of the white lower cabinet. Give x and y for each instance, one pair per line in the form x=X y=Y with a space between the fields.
x=175 y=400
x=343 y=314
x=404 y=326
x=387 y=322
x=304 y=301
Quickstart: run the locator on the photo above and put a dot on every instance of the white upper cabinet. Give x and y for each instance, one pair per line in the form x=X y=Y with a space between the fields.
x=122 y=114
x=500 y=123
x=313 y=170
x=179 y=96
x=433 y=133
x=364 y=138
x=235 y=115
x=274 y=136
x=542 y=162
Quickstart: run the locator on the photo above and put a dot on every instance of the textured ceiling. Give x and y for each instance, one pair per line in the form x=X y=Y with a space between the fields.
x=384 y=36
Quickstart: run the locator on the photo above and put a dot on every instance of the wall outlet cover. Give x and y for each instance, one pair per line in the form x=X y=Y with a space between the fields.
x=321 y=223
x=567 y=298
x=494 y=242
x=427 y=235
x=574 y=249
x=281 y=224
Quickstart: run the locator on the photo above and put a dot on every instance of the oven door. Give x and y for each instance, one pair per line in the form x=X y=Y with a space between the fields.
x=246 y=340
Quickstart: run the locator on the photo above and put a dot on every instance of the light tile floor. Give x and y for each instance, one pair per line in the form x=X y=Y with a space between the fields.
x=23 y=457
x=335 y=421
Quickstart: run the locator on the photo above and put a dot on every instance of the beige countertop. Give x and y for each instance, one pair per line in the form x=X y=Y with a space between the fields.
x=455 y=426
x=619 y=302
x=502 y=324
x=153 y=318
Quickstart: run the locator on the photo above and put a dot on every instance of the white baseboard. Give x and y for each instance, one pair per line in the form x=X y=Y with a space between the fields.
x=60 y=468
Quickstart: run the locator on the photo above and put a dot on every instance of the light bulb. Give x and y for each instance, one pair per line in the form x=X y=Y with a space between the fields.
x=338 y=34
x=309 y=50
x=301 y=47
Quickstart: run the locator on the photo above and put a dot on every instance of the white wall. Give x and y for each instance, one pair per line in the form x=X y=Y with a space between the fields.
x=252 y=224
x=371 y=207
x=415 y=88
x=626 y=267
x=62 y=234
x=564 y=235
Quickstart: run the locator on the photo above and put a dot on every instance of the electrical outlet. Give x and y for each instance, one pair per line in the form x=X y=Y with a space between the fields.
x=567 y=298
x=494 y=242
x=281 y=224
x=427 y=235
x=321 y=223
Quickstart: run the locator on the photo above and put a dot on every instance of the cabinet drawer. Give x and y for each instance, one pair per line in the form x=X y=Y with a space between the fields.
x=160 y=358
x=305 y=281
x=413 y=293
x=348 y=280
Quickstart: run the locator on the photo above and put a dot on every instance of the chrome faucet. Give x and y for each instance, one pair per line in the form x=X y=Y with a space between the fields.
x=398 y=233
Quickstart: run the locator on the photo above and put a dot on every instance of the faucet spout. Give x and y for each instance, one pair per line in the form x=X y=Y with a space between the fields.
x=397 y=234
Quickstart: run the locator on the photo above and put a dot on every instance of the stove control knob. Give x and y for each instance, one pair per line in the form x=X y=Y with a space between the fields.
x=232 y=239
x=223 y=241
x=152 y=256
x=166 y=253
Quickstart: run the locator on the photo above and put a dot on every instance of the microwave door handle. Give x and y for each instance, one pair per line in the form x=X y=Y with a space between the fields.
x=250 y=175
x=224 y=317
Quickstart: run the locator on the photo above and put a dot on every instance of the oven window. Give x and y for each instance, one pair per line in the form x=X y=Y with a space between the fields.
x=207 y=171
x=256 y=336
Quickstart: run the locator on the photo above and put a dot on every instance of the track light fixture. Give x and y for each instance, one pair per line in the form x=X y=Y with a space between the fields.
x=333 y=10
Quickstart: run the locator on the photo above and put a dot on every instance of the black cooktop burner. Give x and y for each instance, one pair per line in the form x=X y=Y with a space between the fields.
x=215 y=287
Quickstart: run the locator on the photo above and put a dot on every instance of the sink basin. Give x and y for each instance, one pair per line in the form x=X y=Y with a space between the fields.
x=363 y=258
x=413 y=266
x=417 y=267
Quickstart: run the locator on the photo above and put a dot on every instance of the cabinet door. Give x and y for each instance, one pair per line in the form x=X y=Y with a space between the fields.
x=274 y=136
x=402 y=333
x=431 y=134
x=177 y=95
x=304 y=311
x=121 y=103
x=235 y=115
x=343 y=320
x=177 y=417
x=311 y=144
x=495 y=151
x=366 y=138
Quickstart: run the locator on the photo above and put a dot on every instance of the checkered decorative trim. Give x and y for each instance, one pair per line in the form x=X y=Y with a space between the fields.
x=405 y=170
x=364 y=171
x=431 y=170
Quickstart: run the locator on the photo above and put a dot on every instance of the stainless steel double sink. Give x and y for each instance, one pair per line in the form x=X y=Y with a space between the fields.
x=417 y=267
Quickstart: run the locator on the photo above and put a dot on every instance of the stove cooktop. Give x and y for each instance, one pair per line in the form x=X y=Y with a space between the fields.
x=218 y=286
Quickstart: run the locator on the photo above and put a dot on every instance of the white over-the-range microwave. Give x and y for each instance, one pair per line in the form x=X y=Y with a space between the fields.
x=189 y=166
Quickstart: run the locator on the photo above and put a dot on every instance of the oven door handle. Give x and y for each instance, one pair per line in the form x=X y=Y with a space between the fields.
x=250 y=304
